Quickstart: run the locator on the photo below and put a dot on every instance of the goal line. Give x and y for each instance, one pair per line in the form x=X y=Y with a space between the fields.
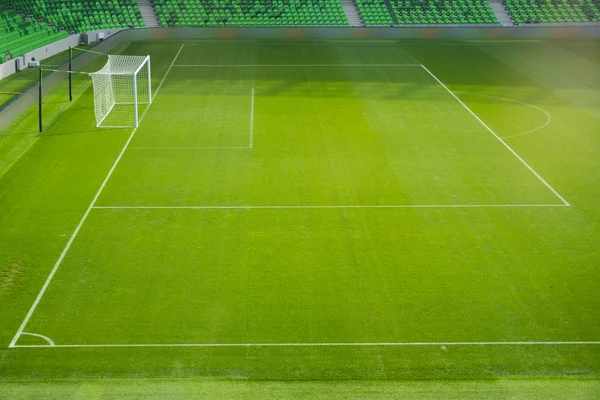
x=333 y=344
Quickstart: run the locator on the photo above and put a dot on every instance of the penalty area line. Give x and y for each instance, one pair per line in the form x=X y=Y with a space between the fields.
x=85 y=215
x=529 y=167
x=292 y=65
x=339 y=344
x=248 y=207
x=252 y=116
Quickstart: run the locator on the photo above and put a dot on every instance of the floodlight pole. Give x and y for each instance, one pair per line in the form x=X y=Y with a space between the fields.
x=40 y=102
x=70 y=74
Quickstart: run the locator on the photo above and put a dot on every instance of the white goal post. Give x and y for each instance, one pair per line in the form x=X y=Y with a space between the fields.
x=119 y=88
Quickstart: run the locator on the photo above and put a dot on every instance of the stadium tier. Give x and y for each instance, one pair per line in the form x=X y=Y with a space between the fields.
x=443 y=12
x=553 y=11
x=249 y=12
x=30 y=24
x=19 y=34
x=374 y=12
x=82 y=16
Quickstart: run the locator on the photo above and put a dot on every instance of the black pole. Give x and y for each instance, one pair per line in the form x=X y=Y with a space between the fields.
x=40 y=102
x=70 y=74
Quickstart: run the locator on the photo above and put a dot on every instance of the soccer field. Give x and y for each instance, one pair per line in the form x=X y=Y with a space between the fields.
x=313 y=210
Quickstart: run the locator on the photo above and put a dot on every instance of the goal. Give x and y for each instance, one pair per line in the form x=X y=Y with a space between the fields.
x=120 y=87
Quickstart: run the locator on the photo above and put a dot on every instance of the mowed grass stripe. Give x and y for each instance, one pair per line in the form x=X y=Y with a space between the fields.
x=257 y=277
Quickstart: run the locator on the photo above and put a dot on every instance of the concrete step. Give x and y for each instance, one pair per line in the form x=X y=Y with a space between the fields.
x=501 y=13
x=148 y=13
x=352 y=13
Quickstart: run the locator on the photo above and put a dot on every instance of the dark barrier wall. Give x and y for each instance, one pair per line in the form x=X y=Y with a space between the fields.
x=29 y=98
x=365 y=33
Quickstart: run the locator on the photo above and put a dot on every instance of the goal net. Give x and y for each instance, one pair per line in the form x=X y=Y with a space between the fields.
x=119 y=88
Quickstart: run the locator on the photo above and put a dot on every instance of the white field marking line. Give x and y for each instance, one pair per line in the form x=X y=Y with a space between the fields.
x=292 y=65
x=114 y=127
x=85 y=215
x=340 y=344
x=46 y=338
x=548 y=116
x=212 y=147
x=242 y=207
x=498 y=137
x=252 y=116
x=187 y=147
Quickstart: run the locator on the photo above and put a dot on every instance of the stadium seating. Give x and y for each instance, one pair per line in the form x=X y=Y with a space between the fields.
x=374 y=12
x=19 y=34
x=249 y=12
x=553 y=11
x=443 y=12
x=83 y=15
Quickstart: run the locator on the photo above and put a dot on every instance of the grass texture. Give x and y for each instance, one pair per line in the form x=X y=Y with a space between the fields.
x=408 y=223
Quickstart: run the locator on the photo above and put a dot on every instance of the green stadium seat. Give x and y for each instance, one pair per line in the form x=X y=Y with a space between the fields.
x=83 y=15
x=19 y=34
x=553 y=11
x=443 y=12
x=374 y=12
x=249 y=12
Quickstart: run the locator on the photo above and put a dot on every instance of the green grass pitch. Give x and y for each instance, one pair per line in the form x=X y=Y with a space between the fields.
x=336 y=211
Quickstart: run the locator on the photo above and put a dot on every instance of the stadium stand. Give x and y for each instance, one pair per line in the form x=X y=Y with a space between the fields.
x=374 y=12
x=81 y=16
x=19 y=34
x=29 y=24
x=553 y=11
x=443 y=12
x=249 y=12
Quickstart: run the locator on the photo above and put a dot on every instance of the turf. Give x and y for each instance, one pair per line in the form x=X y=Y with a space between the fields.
x=314 y=192
x=228 y=389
